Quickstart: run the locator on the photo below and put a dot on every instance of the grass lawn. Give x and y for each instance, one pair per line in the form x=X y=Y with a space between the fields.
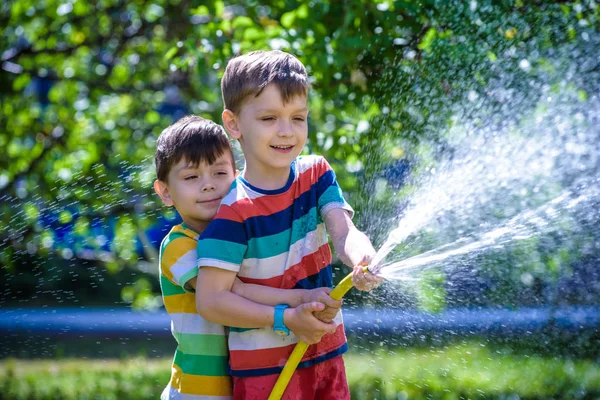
x=457 y=371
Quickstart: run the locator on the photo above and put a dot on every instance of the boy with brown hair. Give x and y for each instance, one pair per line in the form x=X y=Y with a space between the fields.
x=195 y=169
x=271 y=230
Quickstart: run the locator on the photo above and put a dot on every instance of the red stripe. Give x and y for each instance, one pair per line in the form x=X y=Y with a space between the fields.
x=227 y=212
x=277 y=357
x=310 y=264
x=267 y=205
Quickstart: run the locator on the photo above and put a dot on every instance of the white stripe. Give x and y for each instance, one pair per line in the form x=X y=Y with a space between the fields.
x=183 y=265
x=265 y=268
x=265 y=338
x=305 y=163
x=211 y=262
x=171 y=394
x=240 y=192
x=194 y=323
x=332 y=206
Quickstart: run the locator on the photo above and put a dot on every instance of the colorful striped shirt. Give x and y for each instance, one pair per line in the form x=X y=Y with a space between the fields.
x=199 y=370
x=277 y=238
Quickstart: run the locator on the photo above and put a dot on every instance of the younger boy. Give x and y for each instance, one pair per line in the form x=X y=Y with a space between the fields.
x=195 y=168
x=272 y=228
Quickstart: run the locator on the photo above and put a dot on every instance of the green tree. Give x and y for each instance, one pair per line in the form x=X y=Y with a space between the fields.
x=87 y=86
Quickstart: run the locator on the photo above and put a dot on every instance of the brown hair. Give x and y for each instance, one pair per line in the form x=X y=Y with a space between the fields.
x=193 y=138
x=250 y=73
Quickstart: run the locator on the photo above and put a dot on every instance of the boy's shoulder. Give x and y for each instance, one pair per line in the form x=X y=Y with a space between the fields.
x=177 y=236
x=311 y=161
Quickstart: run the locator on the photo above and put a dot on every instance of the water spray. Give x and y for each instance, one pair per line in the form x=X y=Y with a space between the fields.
x=292 y=363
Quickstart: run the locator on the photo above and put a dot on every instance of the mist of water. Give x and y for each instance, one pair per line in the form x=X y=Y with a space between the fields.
x=491 y=187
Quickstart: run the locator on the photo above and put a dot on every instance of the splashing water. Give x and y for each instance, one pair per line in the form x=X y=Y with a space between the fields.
x=497 y=187
x=520 y=227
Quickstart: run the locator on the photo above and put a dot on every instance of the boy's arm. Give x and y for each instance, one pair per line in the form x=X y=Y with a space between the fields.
x=270 y=296
x=352 y=247
x=293 y=297
x=216 y=303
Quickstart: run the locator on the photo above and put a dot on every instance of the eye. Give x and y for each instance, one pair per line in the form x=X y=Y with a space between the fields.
x=268 y=118
x=301 y=119
x=222 y=173
x=190 y=177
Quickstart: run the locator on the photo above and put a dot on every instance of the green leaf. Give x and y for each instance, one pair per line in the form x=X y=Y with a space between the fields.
x=427 y=39
x=287 y=19
x=169 y=54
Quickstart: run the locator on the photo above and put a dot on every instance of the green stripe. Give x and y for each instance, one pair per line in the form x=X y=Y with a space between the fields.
x=269 y=246
x=333 y=194
x=191 y=274
x=201 y=344
x=169 y=288
x=201 y=365
x=222 y=250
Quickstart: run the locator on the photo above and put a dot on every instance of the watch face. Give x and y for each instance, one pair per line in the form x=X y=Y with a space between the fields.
x=281 y=333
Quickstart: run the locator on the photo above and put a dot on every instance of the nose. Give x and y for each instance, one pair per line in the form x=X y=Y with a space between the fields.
x=208 y=186
x=285 y=128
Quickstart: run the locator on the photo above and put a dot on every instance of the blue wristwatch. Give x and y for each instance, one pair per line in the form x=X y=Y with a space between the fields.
x=278 y=325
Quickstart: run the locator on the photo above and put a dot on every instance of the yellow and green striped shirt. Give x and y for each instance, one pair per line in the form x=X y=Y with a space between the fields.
x=199 y=369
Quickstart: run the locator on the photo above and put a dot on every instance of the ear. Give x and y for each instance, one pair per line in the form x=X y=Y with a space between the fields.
x=237 y=173
x=162 y=190
x=230 y=121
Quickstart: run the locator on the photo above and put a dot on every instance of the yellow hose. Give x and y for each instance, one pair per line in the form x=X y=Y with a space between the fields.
x=292 y=363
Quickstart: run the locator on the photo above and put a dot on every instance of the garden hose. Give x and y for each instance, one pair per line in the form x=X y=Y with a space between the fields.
x=292 y=363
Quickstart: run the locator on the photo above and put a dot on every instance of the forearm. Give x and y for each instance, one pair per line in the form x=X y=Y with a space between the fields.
x=268 y=295
x=349 y=247
x=227 y=308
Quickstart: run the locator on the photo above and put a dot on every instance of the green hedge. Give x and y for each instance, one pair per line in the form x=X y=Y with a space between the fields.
x=455 y=372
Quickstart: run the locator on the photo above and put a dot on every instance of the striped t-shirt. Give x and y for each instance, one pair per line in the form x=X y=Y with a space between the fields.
x=199 y=368
x=277 y=238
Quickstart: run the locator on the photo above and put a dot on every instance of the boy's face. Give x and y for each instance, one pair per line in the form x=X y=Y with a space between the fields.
x=196 y=191
x=271 y=133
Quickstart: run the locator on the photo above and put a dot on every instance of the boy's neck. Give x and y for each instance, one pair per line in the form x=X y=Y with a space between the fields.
x=196 y=226
x=267 y=180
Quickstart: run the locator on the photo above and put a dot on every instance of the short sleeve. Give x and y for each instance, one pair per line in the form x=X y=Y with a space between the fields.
x=178 y=262
x=224 y=242
x=329 y=194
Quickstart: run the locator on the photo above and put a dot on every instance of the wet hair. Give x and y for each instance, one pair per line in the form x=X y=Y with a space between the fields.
x=192 y=138
x=248 y=75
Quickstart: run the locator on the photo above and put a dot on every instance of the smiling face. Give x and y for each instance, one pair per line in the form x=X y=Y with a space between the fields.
x=272 y=134
x=196 y=190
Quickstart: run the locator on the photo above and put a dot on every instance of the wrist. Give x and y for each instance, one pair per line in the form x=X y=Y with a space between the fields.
x=279 y=320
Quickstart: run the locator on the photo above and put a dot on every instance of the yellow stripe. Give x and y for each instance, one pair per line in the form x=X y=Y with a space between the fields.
x=200 y=385
x=173 y=252
x=181 y=303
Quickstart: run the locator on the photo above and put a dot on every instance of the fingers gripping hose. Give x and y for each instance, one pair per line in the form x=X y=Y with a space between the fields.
x=292 y=363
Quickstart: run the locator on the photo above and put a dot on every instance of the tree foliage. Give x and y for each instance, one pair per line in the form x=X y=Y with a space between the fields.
x=87 y=86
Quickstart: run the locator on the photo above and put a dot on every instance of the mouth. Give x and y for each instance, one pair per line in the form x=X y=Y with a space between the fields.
x=211 y=201
x=283 y=149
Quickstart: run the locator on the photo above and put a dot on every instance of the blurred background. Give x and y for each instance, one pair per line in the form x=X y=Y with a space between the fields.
x=471 y=126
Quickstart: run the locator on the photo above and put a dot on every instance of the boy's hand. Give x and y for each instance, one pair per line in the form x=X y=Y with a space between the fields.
x=301 y=321
x=365 y=281
x=321 y=295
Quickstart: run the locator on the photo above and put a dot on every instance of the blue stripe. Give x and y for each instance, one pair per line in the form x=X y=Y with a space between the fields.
x=276 y=370
x=325 y=180
x=240 y=330
x=323 y=278
x=226 y=230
